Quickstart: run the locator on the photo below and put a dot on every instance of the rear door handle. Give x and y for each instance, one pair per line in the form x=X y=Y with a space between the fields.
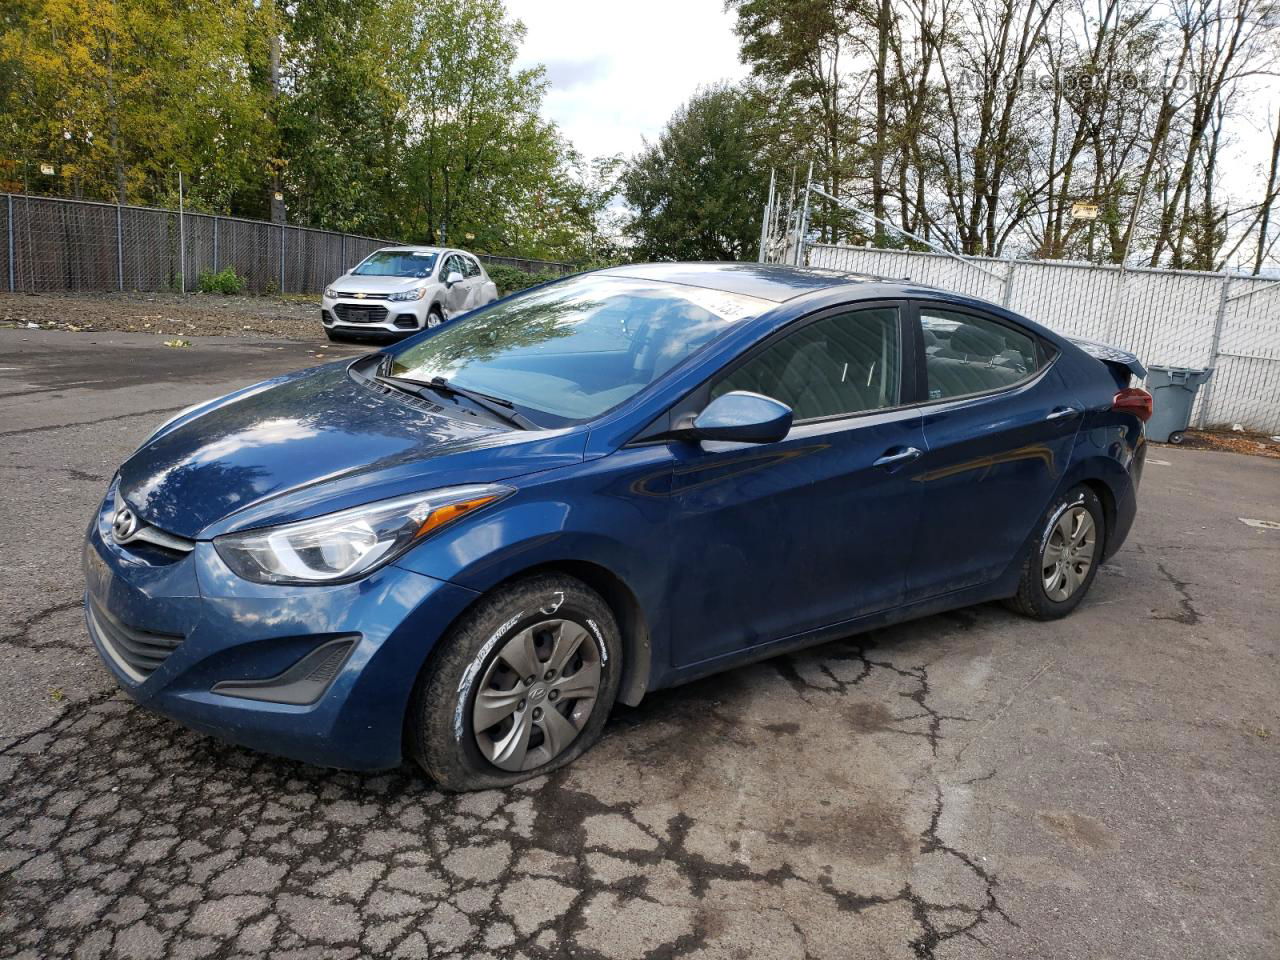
x=902 y=456
x=1059 y=413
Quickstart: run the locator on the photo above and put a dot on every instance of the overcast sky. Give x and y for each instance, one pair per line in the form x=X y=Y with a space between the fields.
x=617 y=73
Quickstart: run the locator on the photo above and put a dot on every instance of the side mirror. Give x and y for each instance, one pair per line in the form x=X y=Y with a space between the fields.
x=742 y=417
x=452 y=278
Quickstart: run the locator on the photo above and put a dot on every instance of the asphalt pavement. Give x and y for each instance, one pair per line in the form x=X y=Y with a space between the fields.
x=968 y=785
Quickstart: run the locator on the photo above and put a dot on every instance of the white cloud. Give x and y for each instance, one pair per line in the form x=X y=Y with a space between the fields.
x=618 y=71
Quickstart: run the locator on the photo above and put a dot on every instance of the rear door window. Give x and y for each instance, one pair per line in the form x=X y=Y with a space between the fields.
x=966 y=353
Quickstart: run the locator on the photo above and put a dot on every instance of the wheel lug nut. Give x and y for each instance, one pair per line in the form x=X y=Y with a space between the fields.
x=520 y=705
x=553 y=695
x=549 y=675
x=537 y=713
x=529 y=681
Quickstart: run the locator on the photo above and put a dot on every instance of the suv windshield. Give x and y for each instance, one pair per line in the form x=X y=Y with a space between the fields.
x=574 y=349
x=396 y=263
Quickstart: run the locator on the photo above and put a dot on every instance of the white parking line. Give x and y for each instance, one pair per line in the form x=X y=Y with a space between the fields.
x=1159 y=463
x=1261 y=524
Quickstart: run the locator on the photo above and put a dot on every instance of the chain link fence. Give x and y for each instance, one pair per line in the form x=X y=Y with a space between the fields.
x=51 y=244
x=1173 y=317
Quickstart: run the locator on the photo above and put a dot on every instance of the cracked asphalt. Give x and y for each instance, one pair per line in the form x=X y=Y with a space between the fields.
x=969 y=785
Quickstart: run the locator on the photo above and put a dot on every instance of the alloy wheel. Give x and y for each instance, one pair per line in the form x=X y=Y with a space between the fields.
x=536 y=695
x=1068 y=553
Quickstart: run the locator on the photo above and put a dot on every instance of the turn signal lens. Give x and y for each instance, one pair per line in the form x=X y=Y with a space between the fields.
x=1134 y=400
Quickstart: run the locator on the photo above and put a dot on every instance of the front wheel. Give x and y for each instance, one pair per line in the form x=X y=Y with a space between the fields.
x=521 y=686
x=434 y=318
x=1064 y=557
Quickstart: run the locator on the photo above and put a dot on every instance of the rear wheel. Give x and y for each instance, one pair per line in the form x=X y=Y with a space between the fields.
x=1064 y=558
x=1177 y=436
x=521 y=686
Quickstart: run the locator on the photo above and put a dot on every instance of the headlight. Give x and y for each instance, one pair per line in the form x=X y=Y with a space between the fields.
x=350 y=543
x=331 y=293
x=415 y=294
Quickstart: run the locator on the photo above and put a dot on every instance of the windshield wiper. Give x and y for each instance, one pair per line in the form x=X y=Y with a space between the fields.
x=498 y=406
x=502 y=409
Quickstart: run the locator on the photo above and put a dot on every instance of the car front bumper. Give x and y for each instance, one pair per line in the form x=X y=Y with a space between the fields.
x=191 y=624
x=374 y=317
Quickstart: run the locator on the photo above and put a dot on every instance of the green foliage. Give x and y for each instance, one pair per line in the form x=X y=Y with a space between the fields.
x=510 y=279
x=224 y=281
x=397 y=118
x=698 y=192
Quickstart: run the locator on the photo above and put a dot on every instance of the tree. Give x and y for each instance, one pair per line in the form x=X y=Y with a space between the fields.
x=696 y=194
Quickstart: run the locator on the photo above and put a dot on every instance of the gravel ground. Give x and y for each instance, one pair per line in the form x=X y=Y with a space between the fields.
x=1257 y=444
x=963 y=787
x=293 y=317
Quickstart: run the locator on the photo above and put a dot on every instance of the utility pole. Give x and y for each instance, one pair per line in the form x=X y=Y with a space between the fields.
x=277 y=190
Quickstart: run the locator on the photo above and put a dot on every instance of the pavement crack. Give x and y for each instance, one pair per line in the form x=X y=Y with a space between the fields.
x=25 y=431
x=1187 y=613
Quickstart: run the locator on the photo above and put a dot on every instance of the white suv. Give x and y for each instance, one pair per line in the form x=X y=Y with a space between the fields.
x=397 y=291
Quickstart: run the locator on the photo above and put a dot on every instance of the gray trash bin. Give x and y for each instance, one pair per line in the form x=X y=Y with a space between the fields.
x=1174 y=391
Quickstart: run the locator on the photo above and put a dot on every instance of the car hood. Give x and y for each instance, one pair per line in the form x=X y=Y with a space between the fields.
x=314 y=442
x=352 y=284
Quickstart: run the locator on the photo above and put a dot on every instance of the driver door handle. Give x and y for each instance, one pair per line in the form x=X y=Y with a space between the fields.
x=889 y=459
x=1058 y=413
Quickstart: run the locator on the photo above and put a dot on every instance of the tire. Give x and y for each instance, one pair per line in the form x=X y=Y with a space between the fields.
x=434 y=318
x=1177 y=436
x=477 y=655
x=335 y=337
x=1042 y=597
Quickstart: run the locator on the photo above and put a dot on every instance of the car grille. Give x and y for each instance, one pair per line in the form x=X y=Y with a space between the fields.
x=136 y=652
x=360 y=313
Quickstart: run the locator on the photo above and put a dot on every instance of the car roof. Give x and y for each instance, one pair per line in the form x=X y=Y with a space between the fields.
x=766 y=281
x=410 y=248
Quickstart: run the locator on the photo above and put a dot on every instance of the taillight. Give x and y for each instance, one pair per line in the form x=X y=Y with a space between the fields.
x=1134 y=400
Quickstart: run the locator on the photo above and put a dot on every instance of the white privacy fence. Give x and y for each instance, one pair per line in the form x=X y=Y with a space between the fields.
x=1175 y=317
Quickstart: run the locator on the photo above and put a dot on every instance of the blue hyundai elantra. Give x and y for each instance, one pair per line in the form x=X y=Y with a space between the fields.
x=466 y=547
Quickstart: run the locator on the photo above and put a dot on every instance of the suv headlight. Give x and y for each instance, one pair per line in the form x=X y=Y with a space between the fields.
x=416 y=294
x=331 y=293
x=350 y=543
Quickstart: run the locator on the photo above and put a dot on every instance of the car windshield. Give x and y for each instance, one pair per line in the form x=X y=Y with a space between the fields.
x=396 y=263
x=571 y=350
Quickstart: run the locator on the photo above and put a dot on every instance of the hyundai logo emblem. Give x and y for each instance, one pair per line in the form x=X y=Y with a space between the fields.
x=124 y=525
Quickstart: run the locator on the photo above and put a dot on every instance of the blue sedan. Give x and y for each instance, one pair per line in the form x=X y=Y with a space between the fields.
x=465 y=548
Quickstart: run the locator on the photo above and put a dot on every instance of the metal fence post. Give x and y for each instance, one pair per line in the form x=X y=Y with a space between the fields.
x=119 y=247
x=182 y=238
x=215 y=244
x=1007 y=291
x=281 y=258
x=1214 y=346
x=12 y=279
x=342 y=252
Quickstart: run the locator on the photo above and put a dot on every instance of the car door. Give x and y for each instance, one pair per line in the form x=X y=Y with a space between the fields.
x=474 y=281
x=772 y=540
x=455 y=295
x=999 y=423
